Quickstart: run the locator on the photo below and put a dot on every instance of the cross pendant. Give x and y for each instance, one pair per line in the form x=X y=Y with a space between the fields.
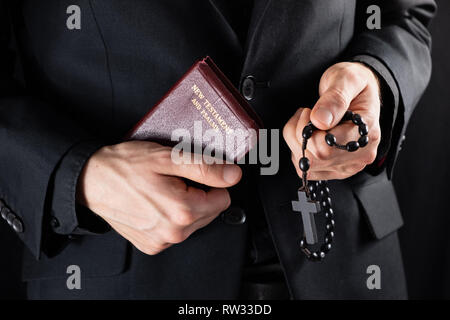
x=308 y=209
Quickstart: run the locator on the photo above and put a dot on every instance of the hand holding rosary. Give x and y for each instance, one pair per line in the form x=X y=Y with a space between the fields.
x=314 y=196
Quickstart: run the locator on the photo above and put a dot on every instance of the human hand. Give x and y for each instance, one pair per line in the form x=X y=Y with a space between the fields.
x=344 y=86
x=137 y=188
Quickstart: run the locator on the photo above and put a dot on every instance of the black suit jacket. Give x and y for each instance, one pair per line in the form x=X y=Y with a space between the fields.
x=72 y=91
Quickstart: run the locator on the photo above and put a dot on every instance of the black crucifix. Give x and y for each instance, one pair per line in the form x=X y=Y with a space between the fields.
x=308 y=209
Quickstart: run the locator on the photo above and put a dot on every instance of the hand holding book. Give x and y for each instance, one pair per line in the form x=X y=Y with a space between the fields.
x=137 y=188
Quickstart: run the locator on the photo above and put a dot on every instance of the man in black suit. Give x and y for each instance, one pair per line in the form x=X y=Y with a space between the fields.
x=120 y=215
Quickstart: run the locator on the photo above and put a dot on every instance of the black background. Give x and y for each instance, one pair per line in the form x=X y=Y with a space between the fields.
x=421 y=179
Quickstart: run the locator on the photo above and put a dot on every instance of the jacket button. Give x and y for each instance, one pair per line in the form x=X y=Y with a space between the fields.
x=54 y=223
x=248 y=88
x=234 y=216
x=17 y=225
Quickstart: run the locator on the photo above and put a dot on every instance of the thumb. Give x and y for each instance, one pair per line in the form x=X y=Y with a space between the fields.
x=337 y=93
x=329 y=109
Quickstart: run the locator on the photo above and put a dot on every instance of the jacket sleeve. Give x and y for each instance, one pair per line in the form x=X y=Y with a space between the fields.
x=400 y=53
x=35 y=136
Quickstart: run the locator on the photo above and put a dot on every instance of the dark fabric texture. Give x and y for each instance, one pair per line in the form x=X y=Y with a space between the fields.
x=11 y=285
x=93 y=84
x=423 y=174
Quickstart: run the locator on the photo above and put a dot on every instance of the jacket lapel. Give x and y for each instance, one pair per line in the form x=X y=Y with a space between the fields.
x=258 y=12
x=225 y=21
x=260 y=8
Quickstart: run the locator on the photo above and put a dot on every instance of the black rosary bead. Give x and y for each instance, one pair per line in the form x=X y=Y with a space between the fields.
x=317 y=256
x=329 y=213
x=312 y=187
x=363 y=129
x=331 y=221
x=330 y=234
x=304 y=164
x=325 y=247
x=326 y=202
x=328 y=239
x=329 y=227
x=363 y=141
x=324 y=192
x=330 y=139
x=356 y=118
x=352 y=146
x=348 y=115
x=307 y=132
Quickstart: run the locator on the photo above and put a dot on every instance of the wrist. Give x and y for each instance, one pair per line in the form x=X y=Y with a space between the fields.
x=373 y=79
x=91 y=163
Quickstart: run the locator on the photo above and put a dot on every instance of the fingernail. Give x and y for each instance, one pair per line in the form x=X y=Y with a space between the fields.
x=324 y=116
x=231 y=173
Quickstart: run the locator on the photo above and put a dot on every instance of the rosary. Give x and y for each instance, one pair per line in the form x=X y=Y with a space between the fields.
x=314 y=196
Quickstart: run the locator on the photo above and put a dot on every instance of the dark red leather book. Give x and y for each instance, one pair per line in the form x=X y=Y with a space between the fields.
x=203 y=98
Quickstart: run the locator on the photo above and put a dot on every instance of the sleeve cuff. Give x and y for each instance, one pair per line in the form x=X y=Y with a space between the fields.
x=67 y=217
x=390 y=100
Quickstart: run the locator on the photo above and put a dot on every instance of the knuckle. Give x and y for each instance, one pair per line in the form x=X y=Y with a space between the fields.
x=335 y=69
x=162 y=157
x=352 y=73
x=375 y=134
x=148 y=249
x=183 y=217
x=174 y=236
x=223 y=202
x=370 y=156
x=323 y=153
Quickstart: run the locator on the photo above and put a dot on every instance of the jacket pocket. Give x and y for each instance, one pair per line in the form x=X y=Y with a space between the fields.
x=379 y=203
x=97 y=256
